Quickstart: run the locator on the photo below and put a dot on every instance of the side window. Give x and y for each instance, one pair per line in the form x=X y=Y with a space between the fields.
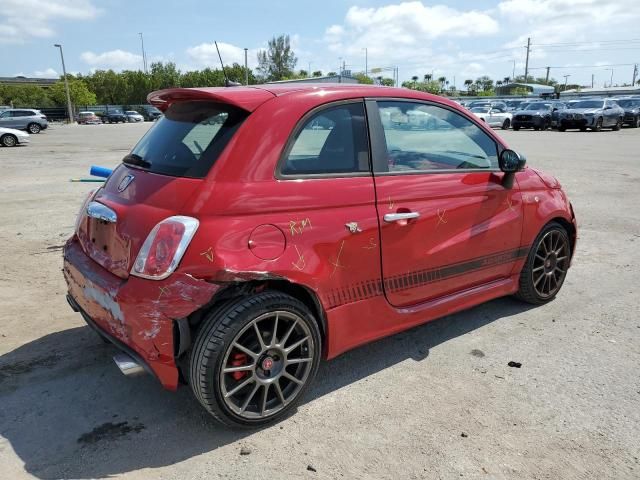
x=427 y=138
x=332 y=141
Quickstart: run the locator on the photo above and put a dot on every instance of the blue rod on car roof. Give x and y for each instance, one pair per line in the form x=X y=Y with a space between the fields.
x=97 y=171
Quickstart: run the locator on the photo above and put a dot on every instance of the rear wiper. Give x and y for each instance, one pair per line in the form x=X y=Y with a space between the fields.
x=137 y=160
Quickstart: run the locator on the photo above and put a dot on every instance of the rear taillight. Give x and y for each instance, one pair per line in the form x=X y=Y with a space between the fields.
x=164 y=247
x=83 y=210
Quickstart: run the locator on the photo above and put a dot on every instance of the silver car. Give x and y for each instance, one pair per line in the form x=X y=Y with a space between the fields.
x=592 y=114
x=33 y=121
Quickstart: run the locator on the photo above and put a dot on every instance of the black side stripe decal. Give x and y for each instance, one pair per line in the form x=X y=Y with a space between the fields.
x=397 y=283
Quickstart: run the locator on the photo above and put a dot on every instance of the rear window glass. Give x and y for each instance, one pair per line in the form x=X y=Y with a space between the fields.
x=187 y=140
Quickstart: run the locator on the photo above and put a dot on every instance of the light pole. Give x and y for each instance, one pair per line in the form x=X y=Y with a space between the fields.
x=144 y=55
x=366 y=62
x=246 y=67
x=66 y=84
x=565 y=82
x=611 y=81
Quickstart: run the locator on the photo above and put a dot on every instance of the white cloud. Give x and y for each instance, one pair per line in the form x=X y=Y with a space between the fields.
x=22 y=20
x=114 y=59
x=404 y=29
x=205 y=55
x=552 y=21
x=47 y=73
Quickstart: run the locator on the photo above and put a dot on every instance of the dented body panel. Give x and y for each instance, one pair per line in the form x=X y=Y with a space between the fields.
x=328 y=235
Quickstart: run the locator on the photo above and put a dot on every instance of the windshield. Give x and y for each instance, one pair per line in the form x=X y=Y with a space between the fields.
x=588 y=104
x=187 y=140
x=538 y=106
x=628 y=103
x=131 y=112
x=480 y=110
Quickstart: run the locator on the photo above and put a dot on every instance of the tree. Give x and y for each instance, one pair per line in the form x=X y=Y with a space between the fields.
x=468 y=83
x=24 y=96
x=414 y=79
x=332 y=74
x=364 y=79
x=317 y=73
x=428 y=77
x=78 y=91
x=387 y=82
x=278 y=61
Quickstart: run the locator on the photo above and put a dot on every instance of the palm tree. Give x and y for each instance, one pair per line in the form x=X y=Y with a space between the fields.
x=467 y=83
x=507 y=79
x=428 y=77
x=498 y=82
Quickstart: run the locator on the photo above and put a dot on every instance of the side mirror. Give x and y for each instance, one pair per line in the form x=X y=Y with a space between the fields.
x=511 y=162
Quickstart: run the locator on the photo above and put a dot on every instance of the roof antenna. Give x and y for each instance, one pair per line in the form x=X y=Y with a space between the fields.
x=227 y=82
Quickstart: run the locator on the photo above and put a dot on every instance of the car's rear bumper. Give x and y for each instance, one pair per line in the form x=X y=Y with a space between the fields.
x=137 y=315
x=576 y=122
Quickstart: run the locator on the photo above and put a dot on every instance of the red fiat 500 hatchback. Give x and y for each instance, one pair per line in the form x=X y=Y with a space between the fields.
x=254 y=231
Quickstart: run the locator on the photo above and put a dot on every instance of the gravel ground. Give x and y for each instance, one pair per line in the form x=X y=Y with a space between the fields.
x=436 y=402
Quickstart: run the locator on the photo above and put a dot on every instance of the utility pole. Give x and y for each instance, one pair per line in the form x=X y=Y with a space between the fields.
x=547 y=79
x=513 y=74
x=565 y=82
x=635 y=74
x=526 y=64
x=66 y=84
x=309 y=71
x=592 y=79
x=246 y=67
x=144 y=55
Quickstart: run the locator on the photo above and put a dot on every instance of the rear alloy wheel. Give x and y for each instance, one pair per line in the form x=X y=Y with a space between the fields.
x=617 y=126
x=33 y=128
x=9 y=140
x=546 y=267
x=506 y=124
x=254 y=358
x=598 y=125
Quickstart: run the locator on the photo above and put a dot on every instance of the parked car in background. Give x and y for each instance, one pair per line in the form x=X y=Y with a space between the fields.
x=237 y=245
x=592 y=114
x=114 y=116
x=513 y=105
x=133 y=116
x=536 y=115
x=631 y=107
x=150 y=113
x=33 y=121
x=493 y=116
x=88 y=118
x=10 y=137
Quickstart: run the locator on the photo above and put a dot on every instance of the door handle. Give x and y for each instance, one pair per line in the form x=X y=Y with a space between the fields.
x=396 y=217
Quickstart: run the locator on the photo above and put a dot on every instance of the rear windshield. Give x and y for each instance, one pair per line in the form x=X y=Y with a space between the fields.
x=588 y=104
x=187 y=140
x=538 y=106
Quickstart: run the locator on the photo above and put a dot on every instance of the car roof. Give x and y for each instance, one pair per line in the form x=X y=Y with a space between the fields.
x=250 y=98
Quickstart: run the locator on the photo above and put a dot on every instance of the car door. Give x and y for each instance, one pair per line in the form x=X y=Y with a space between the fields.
x=447 y=223
x=5 y=119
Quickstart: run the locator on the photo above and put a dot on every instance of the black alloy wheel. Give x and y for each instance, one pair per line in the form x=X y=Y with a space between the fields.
x=546 y=266
x=254 y=357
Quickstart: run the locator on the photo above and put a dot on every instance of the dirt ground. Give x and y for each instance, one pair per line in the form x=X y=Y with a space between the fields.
x=436 y=402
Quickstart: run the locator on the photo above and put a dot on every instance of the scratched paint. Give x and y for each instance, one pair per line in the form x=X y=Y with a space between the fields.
x=301 y=262
x=297 y=227
x=208 y=254
x=441 y=219
x=337 y=263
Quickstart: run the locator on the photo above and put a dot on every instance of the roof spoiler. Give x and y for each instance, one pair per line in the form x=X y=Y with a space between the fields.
x=247 y=99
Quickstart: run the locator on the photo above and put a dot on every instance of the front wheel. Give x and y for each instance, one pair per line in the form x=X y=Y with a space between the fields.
x=598 y=125
x=9 y=140
x=546 y=267
x=254 y=358
x=617 y=126
x=506 y=124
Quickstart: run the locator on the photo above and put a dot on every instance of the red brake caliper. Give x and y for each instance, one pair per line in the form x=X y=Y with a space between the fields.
x=237 y=360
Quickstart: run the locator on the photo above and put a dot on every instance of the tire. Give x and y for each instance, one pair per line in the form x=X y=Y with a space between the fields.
x=9 y=140
x=252 y=394
x=506 y=124
x=34 y=128
x=516 y=128
x=583 y=129
x=542 y=269
x=636 y=122
x=562 y=129
x=598 y=125
x=617 y=126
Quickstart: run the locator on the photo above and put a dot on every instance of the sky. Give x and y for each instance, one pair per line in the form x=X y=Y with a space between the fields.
x=457 y=39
